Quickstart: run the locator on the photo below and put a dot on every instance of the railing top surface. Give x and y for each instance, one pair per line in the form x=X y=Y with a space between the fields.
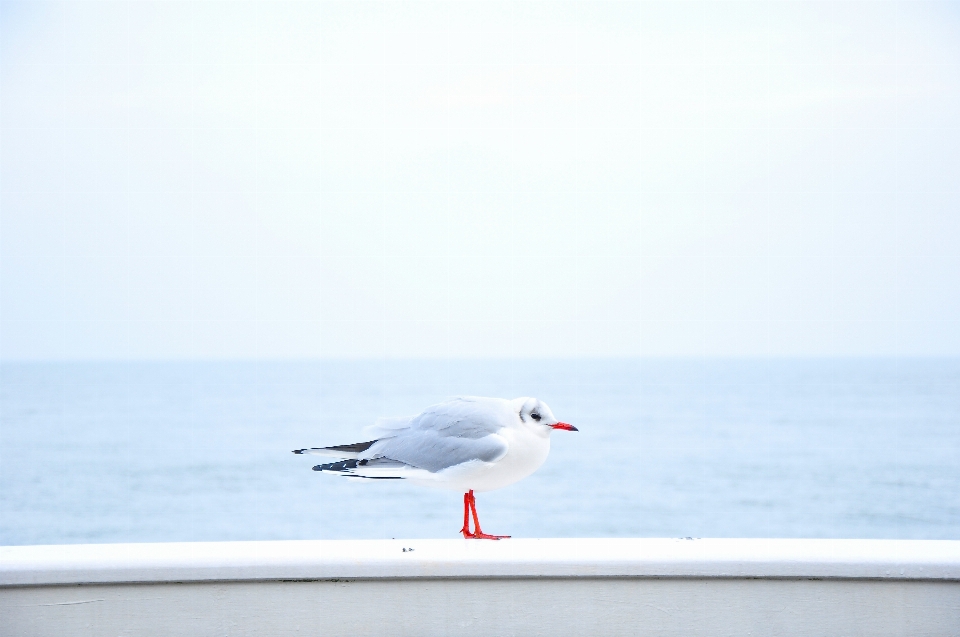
x=592 y=557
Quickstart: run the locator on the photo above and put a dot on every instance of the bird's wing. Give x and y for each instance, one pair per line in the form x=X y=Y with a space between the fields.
x=465 y=417
x=387 y=427
x=447 y=434
x=434 y=451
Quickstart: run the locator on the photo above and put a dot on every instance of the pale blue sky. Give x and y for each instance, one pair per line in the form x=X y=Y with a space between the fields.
x=226 y=180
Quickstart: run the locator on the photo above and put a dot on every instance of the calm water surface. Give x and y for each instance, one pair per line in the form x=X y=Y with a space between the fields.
x=137 y=452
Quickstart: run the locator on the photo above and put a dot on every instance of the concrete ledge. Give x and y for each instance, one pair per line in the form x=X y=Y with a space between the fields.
x=365 y=559
x=693 y=588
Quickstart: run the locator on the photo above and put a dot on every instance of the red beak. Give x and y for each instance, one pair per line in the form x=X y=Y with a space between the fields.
x=564 y=426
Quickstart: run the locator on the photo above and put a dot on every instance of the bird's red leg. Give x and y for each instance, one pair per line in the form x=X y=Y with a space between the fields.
x=477 y=533
x=466 y=517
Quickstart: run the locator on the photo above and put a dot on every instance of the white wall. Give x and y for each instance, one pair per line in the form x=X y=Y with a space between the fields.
x=515 y=587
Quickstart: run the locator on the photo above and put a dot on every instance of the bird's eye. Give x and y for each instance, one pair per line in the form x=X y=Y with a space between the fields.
x=535 y=416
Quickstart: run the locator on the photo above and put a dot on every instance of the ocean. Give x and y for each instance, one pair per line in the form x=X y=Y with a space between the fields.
x=190 y=451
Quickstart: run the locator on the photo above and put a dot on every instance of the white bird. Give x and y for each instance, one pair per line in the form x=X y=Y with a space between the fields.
x=468 y=444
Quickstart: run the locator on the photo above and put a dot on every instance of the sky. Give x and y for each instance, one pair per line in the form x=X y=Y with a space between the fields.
x=208 y=180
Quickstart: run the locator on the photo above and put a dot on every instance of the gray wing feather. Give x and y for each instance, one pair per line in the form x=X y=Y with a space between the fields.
x=434 y=452
x=444 y=436
x=461 y=417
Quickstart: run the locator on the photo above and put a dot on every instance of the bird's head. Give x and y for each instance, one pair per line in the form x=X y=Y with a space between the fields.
x=536 y=412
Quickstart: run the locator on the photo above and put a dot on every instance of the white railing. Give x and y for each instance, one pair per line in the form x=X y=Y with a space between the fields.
x=461 y=587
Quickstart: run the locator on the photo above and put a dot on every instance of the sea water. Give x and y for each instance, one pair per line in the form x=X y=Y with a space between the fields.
x=170 y=451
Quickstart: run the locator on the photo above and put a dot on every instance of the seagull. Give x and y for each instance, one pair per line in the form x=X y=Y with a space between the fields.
x=467 y=444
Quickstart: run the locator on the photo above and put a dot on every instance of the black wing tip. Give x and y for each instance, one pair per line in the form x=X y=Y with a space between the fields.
x=357 y=447
x=346 y=467
x=343 y=466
